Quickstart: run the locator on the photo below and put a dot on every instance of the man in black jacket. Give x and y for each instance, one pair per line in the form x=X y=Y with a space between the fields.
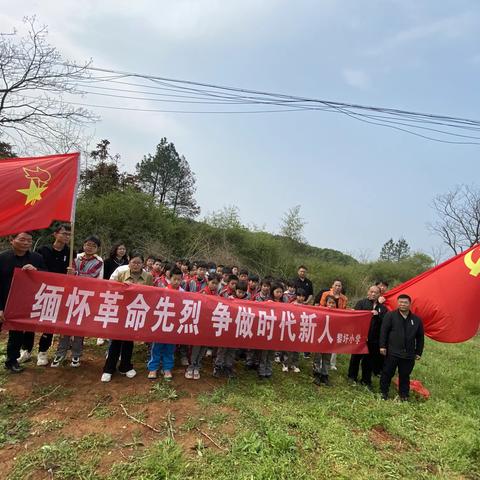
x=303 y=282
x=401 y=341
x=19 y=256
x=56 y=258
x=371 y=361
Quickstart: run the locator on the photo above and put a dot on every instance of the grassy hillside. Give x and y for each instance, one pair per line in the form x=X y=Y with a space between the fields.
x=64 y=424
x=132 y=218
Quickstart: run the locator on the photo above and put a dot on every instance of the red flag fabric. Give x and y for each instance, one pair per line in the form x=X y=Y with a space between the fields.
x=446 y=297
x=416 y=386
x=71 y=305
x=36 y=191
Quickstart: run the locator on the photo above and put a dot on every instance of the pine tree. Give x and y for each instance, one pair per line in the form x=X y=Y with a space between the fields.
x=168 y=179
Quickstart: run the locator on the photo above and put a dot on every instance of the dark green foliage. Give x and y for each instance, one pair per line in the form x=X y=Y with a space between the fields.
x=166 y=176
x=102 y=175
x=395 y=251
x=136 y=219
x=6 y=150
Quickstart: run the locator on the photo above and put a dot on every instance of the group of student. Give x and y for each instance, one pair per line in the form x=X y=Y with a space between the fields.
x=209 y=279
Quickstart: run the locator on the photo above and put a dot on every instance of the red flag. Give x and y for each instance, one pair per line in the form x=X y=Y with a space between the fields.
x=446 y=297
x=416 y=386
x=36 y=191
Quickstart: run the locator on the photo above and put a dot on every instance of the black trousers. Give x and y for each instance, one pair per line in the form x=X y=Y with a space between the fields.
x=377 y=359
x=17 y=340
x=123 y=348
x=45 y=342
x=356 y=360
x=405 y=367
x=371 y=362
x=28 y=341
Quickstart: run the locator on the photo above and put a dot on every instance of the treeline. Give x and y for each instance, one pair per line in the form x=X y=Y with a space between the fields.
x=153 y=210
x=165 y=176
x=134 y=218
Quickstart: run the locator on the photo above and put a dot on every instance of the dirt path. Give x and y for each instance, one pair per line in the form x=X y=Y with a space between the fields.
x=72 y=403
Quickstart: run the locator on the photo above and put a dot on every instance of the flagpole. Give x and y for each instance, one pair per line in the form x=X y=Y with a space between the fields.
x=72 y=216
x=72 y=243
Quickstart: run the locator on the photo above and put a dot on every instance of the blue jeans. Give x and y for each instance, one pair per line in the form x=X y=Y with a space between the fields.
x=161 y=353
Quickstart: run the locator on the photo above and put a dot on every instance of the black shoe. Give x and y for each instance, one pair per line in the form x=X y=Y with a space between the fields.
x=352 y=381
x=251 y=366
x=307 y=355
x=14 y=368
x=404 y=399
x=325 y=381
x=384 y=396
x=316 y=379
x=218 y=372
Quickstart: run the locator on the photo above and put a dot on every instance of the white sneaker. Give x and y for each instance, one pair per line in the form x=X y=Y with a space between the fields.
x=106 y=377
x=100 y=341
x=42 y=359
x=284 y=368
x=209 y=352
x=25 y=356
x=75 y=363
x=296 y=369
x=57 y=361
x=130 y=374
x=333 y=367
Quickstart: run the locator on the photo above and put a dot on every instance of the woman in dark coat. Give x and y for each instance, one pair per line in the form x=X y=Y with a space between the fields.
x=117 y=258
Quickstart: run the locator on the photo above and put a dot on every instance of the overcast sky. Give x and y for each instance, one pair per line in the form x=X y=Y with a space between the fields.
x=358 y=184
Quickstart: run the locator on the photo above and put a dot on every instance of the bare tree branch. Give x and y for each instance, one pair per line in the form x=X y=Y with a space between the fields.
x=33 y=82
x=458 y=217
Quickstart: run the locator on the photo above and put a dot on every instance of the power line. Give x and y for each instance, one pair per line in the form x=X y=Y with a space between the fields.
x=279 y=95
x=199 y=96
x=154 y=88
x=134 y=109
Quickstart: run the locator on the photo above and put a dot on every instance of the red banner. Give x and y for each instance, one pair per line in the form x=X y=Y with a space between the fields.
x=54 y=303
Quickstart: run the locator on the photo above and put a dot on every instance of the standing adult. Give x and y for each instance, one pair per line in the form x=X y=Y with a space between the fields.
x=371 y=361
x=18 y=256
x=117 y=258
x=120 y=351
x=56 y=258
x=383 y=286
x=401 y=341
x=335 y=291
x=305 y=283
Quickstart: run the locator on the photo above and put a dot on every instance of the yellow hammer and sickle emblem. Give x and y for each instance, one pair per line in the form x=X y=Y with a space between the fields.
x=39 y=179
x=473 y=266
